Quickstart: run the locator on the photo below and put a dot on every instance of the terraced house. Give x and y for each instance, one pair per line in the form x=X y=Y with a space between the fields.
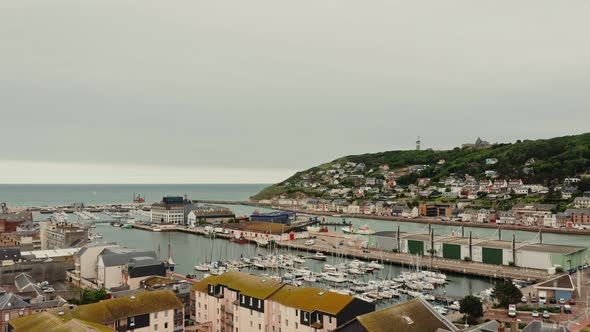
x=237 y=301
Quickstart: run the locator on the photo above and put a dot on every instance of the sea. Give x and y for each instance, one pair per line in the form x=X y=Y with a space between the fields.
x=188 y=250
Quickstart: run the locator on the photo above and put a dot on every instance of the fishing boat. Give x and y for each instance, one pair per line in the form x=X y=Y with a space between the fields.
x=363 y=230
x=127 y=226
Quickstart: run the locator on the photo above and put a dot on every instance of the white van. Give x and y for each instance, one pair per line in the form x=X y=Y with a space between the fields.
x=512 y=310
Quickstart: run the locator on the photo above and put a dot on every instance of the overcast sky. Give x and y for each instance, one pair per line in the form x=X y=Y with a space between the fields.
x=103 y=91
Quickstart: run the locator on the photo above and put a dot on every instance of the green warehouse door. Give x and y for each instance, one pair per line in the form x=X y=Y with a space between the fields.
x=415 y=247
x=491 y=256
x=452 y=251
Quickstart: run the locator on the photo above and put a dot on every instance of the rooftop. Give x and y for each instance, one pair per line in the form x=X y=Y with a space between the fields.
x=245 y=283
x=50 y=322
x=563 y=282
x=412 y=316
x=311 y=299
x=110 y=310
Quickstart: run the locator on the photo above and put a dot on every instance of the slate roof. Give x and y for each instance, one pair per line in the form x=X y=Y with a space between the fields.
x=563 y=282
x=57 y=302
x=10 y=301
x=25 y=283
x=538 y=326
x=10 y=254
x=491 y=326
x=121 y=256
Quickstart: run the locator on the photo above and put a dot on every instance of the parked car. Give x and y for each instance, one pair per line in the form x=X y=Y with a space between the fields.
x=546 y=314
x=48 y=290
x=562 y=301
x=572 y=271
x=512 y=310
x=567 y=309
x=571 y=302
x=553 y=300
x=535 y=314
x=585 y=265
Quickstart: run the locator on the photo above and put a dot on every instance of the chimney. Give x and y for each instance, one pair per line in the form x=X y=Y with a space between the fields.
x=501 y=327
x=514 y=326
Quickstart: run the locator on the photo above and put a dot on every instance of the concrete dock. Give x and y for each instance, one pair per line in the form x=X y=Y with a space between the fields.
x=329 y=244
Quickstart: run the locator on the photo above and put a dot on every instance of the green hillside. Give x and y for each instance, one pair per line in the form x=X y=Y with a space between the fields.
x=554 y=159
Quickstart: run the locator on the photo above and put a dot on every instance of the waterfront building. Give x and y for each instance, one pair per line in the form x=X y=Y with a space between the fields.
x=210 y=214
x=578 y=216
x=411 y=316
x=237 y=301
x=145 y=311
x=561 y=287
x=523 y=210
x=170 y=211
x=274 y=217
x=498 y=252
x=9 y=221
x=432 y=209
x=59 y=235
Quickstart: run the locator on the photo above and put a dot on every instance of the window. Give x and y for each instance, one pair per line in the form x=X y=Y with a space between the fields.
x=131 y=321
x=243 y=299
x=296 y=313
x=296 y=326
x=259 y=304
x=250 y=301
x=286 y=322
x=330 y=319
x=251 y=324
x=155 y=327
x=165 y=325
x=205 y=306
x=250 y=312
x=155 y=315
x=7 y=317
x=259 y=327
x=166 y=313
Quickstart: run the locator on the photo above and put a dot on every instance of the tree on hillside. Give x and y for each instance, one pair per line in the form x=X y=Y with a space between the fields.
x=507 y=293
x=472 y=308
x=584 y=185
